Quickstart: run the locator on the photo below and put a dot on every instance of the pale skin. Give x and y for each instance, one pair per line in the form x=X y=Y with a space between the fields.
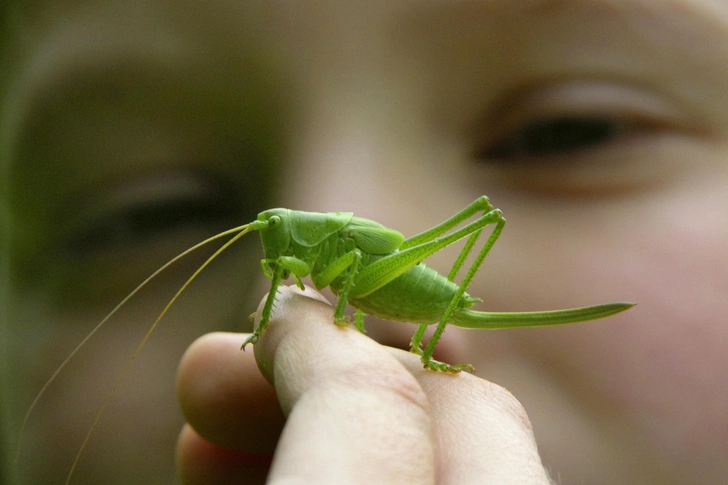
x=403 y=113
x=342 y=400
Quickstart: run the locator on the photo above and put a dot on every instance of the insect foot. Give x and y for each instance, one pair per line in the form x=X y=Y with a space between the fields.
x=253 y=339
x=416 y=344
x=342 y=321
x=417 y=350
x=443 y=367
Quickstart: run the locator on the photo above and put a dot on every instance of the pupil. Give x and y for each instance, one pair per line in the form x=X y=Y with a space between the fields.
x=146 y=222
x=555 y=137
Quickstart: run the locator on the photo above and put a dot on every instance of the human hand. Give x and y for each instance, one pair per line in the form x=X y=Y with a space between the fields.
x=355 y=411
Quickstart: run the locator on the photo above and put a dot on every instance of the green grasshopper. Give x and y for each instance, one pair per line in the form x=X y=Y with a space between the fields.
x=379 y=272
x=373 y=268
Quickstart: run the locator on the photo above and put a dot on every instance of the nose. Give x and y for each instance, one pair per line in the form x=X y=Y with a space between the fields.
x=342 y=165
x=356 y=152
x=345 y=160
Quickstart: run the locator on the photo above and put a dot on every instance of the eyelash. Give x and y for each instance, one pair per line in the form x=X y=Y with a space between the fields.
x=158 y=208
x=564 y=121
x=135 y=224
x=548 y=137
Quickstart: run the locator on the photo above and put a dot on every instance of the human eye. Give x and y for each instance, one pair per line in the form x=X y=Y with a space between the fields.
x=148 y=211
x=559 y=135
x=579 y=137
x=129 y=230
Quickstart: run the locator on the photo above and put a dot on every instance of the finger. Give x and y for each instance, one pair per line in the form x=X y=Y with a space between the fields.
x=482 y=431
x=200 y=462
x=224 y=397
x=355 y=415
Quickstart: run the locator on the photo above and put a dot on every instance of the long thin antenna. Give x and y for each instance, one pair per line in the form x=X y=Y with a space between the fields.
x=245 y=229
x=241 y=229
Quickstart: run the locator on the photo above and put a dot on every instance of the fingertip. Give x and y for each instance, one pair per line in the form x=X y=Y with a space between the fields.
x=293 y=312
x=309 y=292
x=284 y=292
x=199 y=380
x=224 y=397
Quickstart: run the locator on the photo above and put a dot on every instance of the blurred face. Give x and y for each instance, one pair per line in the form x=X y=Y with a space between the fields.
x=130 y=130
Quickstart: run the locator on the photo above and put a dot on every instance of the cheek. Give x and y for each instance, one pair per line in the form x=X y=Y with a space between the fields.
x=658 y=363
x=666 y=359
x=679 y=270
x=676 y=335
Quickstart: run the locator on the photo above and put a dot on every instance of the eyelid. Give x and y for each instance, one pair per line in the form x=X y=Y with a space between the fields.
x=102 y=224
x=633 y=106
x=646 y=124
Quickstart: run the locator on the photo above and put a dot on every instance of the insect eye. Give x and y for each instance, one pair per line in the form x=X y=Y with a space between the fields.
x=274 y=221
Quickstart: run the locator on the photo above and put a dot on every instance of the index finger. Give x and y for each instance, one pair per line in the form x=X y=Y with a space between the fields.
x=355 y=414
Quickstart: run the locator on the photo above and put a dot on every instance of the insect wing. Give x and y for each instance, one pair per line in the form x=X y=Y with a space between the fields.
x=377 y=240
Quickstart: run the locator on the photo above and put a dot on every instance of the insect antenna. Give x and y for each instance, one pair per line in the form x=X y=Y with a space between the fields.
x=240 y=230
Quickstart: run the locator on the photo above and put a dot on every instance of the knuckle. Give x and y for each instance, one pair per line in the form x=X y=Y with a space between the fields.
x=388 y=383
x=510 y=407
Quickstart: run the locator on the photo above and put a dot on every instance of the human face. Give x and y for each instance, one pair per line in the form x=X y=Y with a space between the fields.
x=120 y=116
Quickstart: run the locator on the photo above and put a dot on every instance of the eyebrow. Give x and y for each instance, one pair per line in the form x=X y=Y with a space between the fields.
x=696 y=19
x=657 y=21
x=666 y=36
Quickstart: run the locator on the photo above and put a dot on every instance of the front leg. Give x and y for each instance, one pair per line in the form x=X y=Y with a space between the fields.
x=350 y=261
x=298 y=269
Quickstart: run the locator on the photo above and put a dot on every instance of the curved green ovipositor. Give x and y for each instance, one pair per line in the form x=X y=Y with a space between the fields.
x=494 y=320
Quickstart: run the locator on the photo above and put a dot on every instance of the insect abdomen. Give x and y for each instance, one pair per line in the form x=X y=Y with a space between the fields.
x=421 y=295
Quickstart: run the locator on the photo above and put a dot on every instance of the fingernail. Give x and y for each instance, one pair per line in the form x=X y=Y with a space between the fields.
x=309 y=292
x=284 y=292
